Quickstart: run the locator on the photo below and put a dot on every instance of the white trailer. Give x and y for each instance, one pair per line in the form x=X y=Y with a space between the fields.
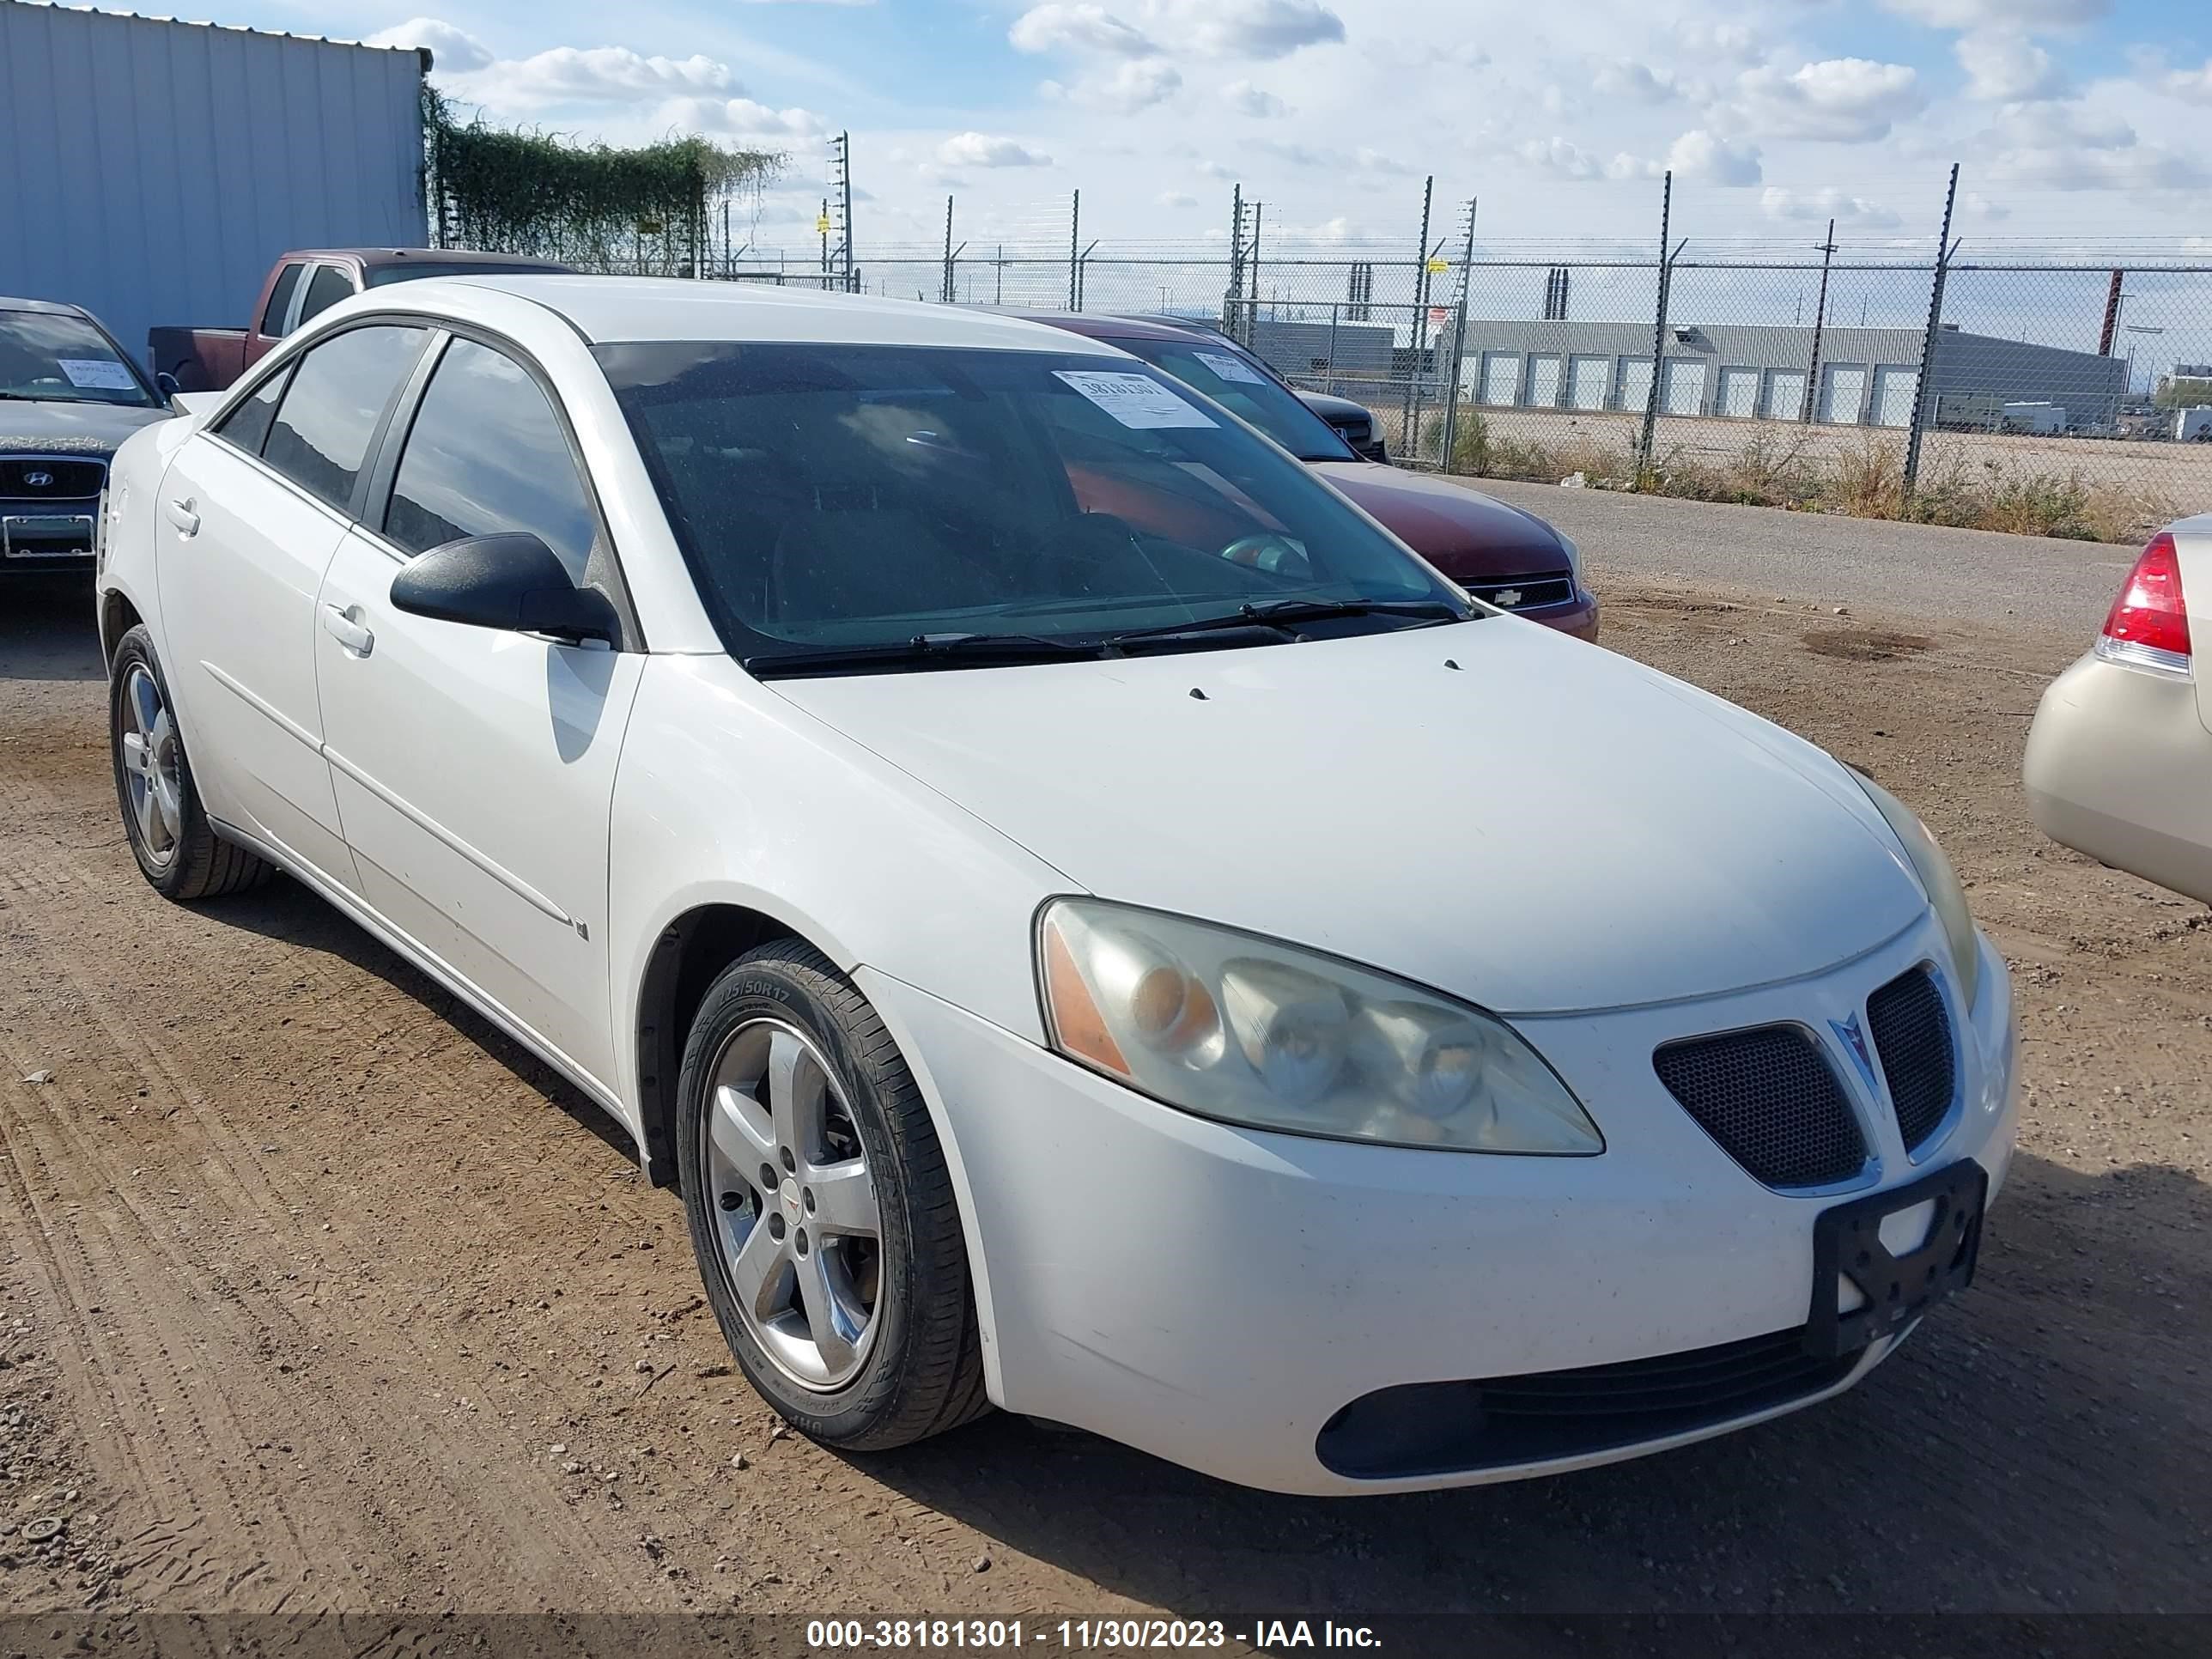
x=158 y=168
x=2193 y=426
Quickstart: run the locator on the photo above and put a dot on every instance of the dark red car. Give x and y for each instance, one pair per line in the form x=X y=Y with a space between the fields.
x=1502 y=556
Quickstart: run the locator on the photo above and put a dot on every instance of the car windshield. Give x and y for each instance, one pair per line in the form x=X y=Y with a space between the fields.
x=1242 y=386
x=50 y=357
x=834 y=496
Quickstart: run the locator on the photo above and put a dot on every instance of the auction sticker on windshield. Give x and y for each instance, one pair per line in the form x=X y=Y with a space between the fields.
x=1231 y=368
x=1137 y=401
x=97 y=374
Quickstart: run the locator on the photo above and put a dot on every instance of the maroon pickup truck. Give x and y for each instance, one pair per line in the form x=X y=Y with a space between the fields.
x=301 y=284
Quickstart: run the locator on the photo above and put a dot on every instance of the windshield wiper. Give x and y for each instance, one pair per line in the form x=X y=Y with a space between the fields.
x=921 y=649
x=1284 y=615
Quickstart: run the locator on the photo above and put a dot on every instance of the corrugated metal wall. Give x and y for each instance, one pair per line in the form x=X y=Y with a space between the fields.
x=152 y=171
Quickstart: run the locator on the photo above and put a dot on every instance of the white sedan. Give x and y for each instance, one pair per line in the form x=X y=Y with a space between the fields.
x=1088 y=920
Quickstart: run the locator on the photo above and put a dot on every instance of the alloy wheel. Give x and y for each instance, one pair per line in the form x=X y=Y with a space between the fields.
x=152 y=772
x=795 y=1205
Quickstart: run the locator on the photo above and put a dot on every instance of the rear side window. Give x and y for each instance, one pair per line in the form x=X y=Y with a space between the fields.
x=247 y=425
x=486 y=454
x=329 y=285
x=280 y=302
x=329 y=413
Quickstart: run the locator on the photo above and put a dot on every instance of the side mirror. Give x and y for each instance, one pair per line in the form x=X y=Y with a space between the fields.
x=513 y=582
x=167 y=383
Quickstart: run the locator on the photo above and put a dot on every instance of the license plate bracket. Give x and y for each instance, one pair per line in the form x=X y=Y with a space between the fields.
x=1847 y=1243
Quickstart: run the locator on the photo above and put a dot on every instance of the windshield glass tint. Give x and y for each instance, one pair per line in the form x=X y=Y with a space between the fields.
x=1240 y=386
x=53 y=356
x=853 y=495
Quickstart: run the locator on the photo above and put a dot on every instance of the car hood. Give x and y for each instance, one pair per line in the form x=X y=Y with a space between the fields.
x=72 y=429
x=1542 y=828
x=1468 y=537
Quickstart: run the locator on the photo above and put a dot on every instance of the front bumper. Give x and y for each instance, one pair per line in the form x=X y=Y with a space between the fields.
x=1578 y=616
x=2118 y=765
x=1215 y=1296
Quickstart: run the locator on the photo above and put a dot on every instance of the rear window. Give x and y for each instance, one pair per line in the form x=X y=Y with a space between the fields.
x=330 y=412
x=280 y=302
x=384 y=275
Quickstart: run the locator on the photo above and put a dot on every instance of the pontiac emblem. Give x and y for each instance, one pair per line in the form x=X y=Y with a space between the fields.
x=1854 y=1041
x=39 y=479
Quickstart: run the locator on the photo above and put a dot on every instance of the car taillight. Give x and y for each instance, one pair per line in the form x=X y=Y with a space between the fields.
x=2148 y=627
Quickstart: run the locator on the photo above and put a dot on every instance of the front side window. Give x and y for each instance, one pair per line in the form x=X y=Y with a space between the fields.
x=280 y=302
x=329 y=285
x=486 y=454
x=330 y=411
x=1233 y=380
x=247 y=424
x=50 y=356
x=831 y=496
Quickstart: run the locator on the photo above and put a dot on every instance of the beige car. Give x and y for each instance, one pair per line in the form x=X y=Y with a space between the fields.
x=2119 y=759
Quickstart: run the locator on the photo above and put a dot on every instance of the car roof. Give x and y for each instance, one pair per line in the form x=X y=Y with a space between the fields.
x=380 y=256
x=1094 y=325
x=50 y=307
x=607 y=310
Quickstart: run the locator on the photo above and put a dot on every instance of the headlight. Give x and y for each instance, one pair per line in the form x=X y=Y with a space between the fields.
x=1241 y=1028
x=1938 y=878
x=1574 y=554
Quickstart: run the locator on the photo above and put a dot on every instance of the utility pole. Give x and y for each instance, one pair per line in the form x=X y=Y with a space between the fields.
x=1819 y=321
x=822 y=225
x=1658 y=332
x=1235 y=291
x=1459 y=340
x=1923 y=388
x=840 y=162
x=1253 y=265
x=2112 y=315
x=1074 y=235
x=945 y=286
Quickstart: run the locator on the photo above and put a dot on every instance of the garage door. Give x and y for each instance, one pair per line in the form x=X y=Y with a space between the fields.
x=1501 y=376
x=1634 y=386
x=1740 y=392
x=1843 y=392
x=1785 y=394
x=1544 y=382
x=1587 y=379
x=1894 y=390
x=1683 y=391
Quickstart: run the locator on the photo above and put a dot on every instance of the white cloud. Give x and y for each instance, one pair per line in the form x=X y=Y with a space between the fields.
x=593 y=75
x=1134 y=85
x=1978 y=206
x=980 y=149
x=1849 y=100
x=1735 y=43
x=2066 y=146
x=1248 y=28
x=1059 y=26
x=1374 y=160
x=1825 y=204
x=1176 y=198
x=2005 y=14
x=1633 y=79
x=1702 y=157
x=2007 y=69
x=744 y=116
x=1247 y=100
x=2194 y=85
x=1564 y=159
x=453 y=51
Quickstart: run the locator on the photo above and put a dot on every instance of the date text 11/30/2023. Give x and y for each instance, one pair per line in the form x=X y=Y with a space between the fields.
x=986 y=1635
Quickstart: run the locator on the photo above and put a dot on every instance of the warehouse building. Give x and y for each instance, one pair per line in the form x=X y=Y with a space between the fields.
x=157 y=168
x=1867 y=376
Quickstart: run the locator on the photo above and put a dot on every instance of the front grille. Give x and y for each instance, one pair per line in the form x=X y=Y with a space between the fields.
x=1770 y=1099
x=1525 y=593
x=1911 y=1032
x=1435 y=1428
x=71 y=479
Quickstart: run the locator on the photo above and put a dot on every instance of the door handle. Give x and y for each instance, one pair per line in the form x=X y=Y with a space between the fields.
x=347 y=632
x=181 y=515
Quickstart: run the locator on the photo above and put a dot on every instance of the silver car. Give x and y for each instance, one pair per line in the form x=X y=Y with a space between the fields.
x=2119 y=759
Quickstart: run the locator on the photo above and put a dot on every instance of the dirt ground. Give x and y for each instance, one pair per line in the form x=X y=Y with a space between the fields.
x=316 y=1293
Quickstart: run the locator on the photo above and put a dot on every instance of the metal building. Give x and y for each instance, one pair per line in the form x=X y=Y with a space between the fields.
x=154 y=170
x=1867 y=376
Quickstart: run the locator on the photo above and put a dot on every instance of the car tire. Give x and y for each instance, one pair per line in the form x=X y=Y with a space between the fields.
x=862 y=1344
x=178 y=850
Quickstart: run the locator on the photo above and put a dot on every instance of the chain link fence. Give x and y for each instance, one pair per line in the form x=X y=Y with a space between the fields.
x=2068 y=397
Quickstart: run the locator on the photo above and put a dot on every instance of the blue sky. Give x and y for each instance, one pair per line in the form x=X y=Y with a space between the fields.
x=2077 y=121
